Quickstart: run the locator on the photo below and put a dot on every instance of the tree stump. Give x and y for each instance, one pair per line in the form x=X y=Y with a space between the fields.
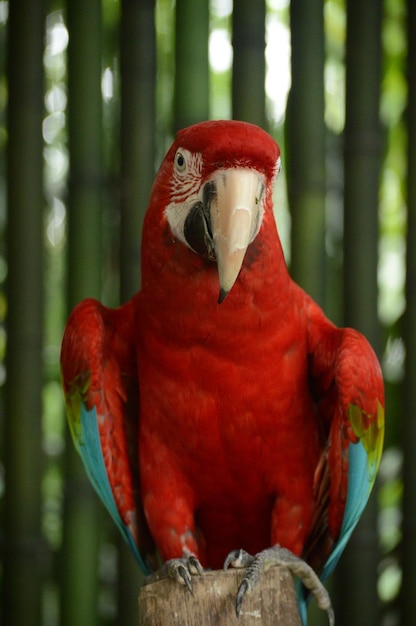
x=272 y=602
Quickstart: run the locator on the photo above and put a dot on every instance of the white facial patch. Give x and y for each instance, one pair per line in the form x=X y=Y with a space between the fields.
x=277 y=169
x=186 y=189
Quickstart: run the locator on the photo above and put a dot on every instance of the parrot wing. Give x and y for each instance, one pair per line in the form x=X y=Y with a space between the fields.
x=100 y=382
x=347 y=386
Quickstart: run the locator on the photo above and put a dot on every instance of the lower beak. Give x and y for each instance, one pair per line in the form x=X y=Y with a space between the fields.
x=236 y=213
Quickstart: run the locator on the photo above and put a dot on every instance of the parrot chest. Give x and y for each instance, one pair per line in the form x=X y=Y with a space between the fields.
x=236 y=426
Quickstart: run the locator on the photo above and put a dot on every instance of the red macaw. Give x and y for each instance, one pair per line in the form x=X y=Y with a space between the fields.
x=210 y=423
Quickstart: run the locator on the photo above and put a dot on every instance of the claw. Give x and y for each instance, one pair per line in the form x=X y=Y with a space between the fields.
x=194 y=566
x=238 y=559
x=180 y=573
x=240 y=595
x=270 y=557
x=179 y=570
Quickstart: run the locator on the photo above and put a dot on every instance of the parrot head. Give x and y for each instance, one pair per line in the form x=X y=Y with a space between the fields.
x=213 y=189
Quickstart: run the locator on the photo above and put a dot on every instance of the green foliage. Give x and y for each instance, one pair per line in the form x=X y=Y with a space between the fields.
x=249 y=63
x=191 y=86
x=305 y=148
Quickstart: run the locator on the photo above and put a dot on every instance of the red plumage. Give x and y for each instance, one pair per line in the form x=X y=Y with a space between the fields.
x=223 y=425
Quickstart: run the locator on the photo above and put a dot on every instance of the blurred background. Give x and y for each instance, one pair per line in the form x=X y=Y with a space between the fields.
x=91 y=93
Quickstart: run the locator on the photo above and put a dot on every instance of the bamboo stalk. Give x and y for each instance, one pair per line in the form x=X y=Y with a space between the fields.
x=83 y=513
x=362 y=160
x=23 y=553
x=249 y=64
x=305 y=148
x=408 y=596
x=191 y=88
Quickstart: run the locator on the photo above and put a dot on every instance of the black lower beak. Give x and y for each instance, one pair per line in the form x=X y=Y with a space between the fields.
x=197 y=227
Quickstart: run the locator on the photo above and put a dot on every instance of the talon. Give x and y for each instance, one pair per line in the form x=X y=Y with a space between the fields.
x=182 y=574
x=281 y=556
x=231 y=558
x=194 y=565
x=238 y=558
x=179 y=570
x=243 y=588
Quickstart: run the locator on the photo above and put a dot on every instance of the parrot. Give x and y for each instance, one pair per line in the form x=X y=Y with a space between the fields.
x=222 y=418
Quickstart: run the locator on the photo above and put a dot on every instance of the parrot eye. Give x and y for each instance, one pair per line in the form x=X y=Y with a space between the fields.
x=180 y=162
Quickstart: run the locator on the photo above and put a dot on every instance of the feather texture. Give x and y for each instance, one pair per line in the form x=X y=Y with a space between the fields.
x=206 y=427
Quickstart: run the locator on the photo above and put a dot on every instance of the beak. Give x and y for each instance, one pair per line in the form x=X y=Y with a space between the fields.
x=236 y=213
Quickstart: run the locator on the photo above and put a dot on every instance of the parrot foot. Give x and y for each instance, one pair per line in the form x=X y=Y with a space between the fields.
x=178 y=569
x=270 y=557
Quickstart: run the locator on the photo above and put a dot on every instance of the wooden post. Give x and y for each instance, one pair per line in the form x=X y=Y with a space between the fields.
x=272 y=602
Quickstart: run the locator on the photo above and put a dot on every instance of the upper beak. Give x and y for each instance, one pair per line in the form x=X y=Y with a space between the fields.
x=236 y=211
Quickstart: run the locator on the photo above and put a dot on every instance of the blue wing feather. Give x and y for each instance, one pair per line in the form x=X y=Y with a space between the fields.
x=360 y=483
x=359 y=488
x=100 y=382
x=89 y=446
